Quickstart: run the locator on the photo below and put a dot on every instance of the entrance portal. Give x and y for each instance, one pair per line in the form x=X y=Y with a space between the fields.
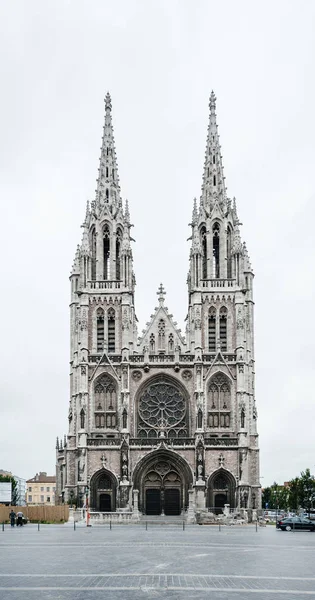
x=153 y=502
x=105 y=503
x=172 y=501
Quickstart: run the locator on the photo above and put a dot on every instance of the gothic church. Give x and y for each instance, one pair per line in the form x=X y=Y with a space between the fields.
x=161 y=423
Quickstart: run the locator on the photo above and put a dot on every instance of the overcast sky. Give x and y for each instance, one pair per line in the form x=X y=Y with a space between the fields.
x=159 y=60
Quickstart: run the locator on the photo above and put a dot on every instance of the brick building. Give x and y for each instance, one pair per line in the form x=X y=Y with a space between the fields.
x=161 y=423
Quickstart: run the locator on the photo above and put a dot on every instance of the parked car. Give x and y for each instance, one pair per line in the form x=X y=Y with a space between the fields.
x=291 y=523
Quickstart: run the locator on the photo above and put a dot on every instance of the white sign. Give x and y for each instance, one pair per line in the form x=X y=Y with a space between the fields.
x=5 y=491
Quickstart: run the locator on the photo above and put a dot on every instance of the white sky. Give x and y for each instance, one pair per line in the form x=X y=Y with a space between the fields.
x=159 y=60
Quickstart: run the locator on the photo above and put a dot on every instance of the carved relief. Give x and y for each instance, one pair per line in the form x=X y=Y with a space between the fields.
x=136 y=375
x=187 y=375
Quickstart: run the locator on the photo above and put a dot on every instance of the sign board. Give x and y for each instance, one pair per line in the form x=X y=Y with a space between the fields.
x=5 y=491
x=266 y=504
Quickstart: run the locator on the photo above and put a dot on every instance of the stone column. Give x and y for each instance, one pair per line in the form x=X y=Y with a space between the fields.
x=136 y=514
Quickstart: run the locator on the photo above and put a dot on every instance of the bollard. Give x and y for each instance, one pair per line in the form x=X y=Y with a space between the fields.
x=38 y=526
x=74 y=525
x=146 y=525
x=3 y=526
x=256 y=526
x=110 y=523
x=183 y=525
x=219 y=526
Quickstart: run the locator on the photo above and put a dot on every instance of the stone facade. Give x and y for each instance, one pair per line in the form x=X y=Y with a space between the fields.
x=161 y=423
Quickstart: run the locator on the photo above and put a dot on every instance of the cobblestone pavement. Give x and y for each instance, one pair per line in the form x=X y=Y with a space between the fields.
x=162 y=562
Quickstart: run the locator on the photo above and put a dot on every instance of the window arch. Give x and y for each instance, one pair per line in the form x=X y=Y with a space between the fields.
x=171 y=343
x=107 y=191
x=105 y=402
x=223 y=328
x=106 y=252
x=82 y=418
x=100 y=330
x=93 y=248
x=152 y=343
x=203 y=234
x=219 y=401
x=111 y=330
x=161 y=334
x=107 y=172
x=214 y=180
x=213 y=159
x=228 y=252
x=216 y=250
x=118 y=249
x=212 y=329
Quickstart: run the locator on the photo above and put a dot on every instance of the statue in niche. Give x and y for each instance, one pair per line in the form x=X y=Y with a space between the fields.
x=199 y=419
x=124 y=419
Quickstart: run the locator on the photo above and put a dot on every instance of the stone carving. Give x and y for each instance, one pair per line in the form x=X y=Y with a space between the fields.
x=83 y=370
x=187 y=375
x=136 y=375
x=240 y=320
x=83 y=320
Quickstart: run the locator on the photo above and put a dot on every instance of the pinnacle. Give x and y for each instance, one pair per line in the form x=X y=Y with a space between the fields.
x=161 y=293
x=108 y=102
x=212 y=102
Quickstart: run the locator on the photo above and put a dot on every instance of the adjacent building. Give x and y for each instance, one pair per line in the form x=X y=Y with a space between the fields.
x=41 y=489
x=161 y=423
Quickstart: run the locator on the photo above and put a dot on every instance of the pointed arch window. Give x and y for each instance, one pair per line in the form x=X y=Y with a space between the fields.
x=228 y=252
x=107 y=194
x=171 y=343
x=161 y=335
x=100 y=330
x=216 y=250
x=106 y=252
x=118 y=249
x=152 y=343
x=214 y=180
x=203 y=233
x=223 y=328
x=113 y=174
x=213 y=159
x=243 y=418
x=93 y=248
x=111 y=330
x=105 y=402
x=219 y=401
x=82 y=418
x=212 y=329
x=107 y=172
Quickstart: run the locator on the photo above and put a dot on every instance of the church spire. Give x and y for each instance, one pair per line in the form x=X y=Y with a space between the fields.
x=213 y=184
x=108 y=188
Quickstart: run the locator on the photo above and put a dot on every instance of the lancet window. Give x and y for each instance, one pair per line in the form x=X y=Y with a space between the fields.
x=105 y=403
x=219 y=402
x=212 y=329
x=216 y=250
x=223 y=328
x=228 y=252
x=93 y=248
x=161 y=334
x=171 y=343
x=118 y=249
x=82 y=418
x=152 y=343
x=203 y=234
x=111 y=330
x=100 y=330
x=106 y=252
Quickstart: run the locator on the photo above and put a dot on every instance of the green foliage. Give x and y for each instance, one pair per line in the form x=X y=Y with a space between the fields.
x=299 y=493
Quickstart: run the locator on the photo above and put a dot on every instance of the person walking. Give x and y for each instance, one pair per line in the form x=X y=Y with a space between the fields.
x=12 y=516
x=19 y=515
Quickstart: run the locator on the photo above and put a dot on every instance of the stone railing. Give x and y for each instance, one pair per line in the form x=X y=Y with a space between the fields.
x=104 y=442
x=221 y=442
x=105 y=285
x=218 y=283
x=227 y=357
x=95 y=358
x=152 y=442
x=101 y=518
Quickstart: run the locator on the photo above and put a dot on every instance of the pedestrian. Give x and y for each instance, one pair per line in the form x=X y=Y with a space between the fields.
x=19 y=515
x=12 y=516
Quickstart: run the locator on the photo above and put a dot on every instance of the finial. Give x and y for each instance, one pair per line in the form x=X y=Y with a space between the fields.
x=212 y=102
x=108 y=102
x=127 y=214
x=161 y=294
x=195 y=213
x=57 y=443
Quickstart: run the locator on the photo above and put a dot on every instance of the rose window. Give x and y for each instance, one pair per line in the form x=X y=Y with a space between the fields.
x=162 y=408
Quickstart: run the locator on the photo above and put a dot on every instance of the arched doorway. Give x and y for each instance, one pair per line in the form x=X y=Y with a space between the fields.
x=103 y=492
x=221 y=490
x=163 y=479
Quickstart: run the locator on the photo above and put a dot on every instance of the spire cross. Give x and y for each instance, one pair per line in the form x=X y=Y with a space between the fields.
x=161 y=293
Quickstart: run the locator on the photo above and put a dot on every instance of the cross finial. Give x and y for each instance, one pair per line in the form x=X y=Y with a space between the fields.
x=221 y=460
x=161 y=293
x=212 y=102
x=108 y=102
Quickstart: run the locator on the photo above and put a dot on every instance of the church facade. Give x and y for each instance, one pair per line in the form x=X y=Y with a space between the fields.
x=162 y=423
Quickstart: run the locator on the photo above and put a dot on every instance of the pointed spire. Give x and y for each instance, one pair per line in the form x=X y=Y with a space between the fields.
x=247 y=263
x=76 y=263
x=161 y=294
x=127 y=213
x=108 y=189
x=213 y=183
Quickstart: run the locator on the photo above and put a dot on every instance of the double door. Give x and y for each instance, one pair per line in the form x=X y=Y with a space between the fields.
x=159 y=501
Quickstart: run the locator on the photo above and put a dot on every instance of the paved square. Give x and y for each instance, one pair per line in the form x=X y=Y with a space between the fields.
x=164 y=561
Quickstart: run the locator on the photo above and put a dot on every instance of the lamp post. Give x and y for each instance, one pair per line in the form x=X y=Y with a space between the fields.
x=87 y=508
